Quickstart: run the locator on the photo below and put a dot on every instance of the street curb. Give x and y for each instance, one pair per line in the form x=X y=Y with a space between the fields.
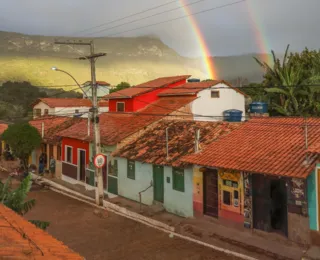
x=219 y=249
x=108 y=205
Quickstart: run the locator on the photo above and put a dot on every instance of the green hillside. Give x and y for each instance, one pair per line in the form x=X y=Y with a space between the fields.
x=30 y=58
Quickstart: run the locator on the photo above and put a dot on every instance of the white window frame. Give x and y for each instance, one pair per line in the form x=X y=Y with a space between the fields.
x=124 y=106
x=66 y=153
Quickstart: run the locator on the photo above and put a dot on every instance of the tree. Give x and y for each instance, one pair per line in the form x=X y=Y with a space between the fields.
x=288 y=83
x=16 y=199
x=120 y=86
x=22 y=139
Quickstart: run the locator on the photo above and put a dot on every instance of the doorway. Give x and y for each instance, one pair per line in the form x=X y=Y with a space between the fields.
x=210 y=192
x=82 y=164
x=158 y=183
x=270 y=204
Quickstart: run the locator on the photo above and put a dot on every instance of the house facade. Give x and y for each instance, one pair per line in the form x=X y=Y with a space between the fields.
x=213 y=98
x=257 y=177
x=150 y=170
x=135 y=98
x=51 y=144
x=65 y=107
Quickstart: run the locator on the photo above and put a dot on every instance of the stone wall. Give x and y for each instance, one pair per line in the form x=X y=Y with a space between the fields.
x=298 y=228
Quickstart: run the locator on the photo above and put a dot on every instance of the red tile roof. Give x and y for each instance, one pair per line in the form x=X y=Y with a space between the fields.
x=116 y=126
x=151 y=146
x=3 y=127
x=53 y=125
x=146 y=87
x=314 y=148
x=68 y=102
x=273 y=146
x=192 y=88
x=19 y=239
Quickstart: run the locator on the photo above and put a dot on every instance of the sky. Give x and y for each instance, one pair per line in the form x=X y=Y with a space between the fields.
x=248 y=27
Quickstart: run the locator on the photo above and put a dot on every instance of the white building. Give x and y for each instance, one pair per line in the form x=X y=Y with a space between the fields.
x=212 y=99
x=65 y=107
x=103 y=89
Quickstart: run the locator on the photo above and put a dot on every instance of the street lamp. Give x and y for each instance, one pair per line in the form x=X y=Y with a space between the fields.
x=63 y=71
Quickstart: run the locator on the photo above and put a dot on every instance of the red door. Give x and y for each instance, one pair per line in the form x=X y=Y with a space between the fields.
x=211 y=202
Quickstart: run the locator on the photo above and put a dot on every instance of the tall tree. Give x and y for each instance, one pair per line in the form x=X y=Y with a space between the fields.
x=120 y=86
x=22 y=139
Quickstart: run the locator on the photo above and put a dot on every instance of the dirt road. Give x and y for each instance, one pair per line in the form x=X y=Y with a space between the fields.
x=112 y=237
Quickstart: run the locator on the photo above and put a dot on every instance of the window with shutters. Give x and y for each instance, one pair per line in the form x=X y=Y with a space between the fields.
x=68 y=154
x=120 y=106
x=37 y=112
x=113 y=167
x=131 y=174
x=46 y=112
x=178 y=179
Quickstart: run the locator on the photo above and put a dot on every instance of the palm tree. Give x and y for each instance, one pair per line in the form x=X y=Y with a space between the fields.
x=15 y=199
x=295 y=96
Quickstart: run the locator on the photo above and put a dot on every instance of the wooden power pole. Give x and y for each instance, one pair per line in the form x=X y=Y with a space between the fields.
x=95 y=112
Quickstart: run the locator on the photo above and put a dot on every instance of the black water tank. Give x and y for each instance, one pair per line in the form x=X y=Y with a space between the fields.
x=193 y=80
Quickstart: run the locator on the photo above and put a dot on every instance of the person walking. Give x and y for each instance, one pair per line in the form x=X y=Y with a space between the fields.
x=52 y=166
x=41 y=164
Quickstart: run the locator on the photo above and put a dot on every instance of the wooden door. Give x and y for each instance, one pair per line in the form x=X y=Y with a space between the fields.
x=210 y=191
x=261 y=203
x=82 y=165
x=104 y=173
x=158 y=183
x=50 y=151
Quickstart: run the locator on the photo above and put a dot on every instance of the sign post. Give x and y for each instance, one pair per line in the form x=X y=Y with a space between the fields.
x=99 y=161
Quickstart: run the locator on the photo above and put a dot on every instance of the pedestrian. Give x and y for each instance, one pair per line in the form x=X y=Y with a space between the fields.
x=52 y=166
x=41 y=164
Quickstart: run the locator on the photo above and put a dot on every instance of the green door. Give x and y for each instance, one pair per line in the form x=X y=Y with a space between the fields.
x=158 y=183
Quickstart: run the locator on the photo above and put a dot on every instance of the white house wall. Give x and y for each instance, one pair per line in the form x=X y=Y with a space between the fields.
x=207 y=106
x=66 y=111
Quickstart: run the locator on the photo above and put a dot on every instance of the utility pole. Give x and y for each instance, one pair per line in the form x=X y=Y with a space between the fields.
x=95 y=112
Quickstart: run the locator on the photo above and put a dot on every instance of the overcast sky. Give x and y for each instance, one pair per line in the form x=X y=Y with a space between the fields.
x=246 y=27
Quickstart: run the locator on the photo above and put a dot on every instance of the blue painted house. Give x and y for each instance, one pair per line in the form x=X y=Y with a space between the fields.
x=151 y=164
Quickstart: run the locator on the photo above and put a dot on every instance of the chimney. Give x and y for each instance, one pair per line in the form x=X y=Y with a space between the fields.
x=167 y=142
x=197 y=140
x=42 y=129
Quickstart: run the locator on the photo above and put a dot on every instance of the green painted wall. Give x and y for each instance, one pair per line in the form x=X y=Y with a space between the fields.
x=312 y=200
x=179 y=203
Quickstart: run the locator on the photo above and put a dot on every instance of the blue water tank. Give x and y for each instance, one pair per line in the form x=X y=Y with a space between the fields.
x=193 y=80
x=258 y=107
x=232 y=115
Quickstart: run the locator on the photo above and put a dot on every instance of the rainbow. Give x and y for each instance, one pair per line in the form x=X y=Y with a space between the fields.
x=211 y=69
x=258 y=29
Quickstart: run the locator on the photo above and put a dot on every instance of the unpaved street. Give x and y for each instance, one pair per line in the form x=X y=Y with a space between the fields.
x=112 y=237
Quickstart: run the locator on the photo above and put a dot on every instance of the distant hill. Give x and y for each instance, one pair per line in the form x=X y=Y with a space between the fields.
x=30 y=58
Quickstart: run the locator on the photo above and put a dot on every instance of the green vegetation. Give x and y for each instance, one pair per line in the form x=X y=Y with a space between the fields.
x=17 y=97
x=22 y=139
x=290 y=86
x=120 y=86
x=16 y=199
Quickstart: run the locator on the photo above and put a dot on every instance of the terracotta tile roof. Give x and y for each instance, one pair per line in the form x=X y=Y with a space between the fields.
x=273 y=146
x=314 y=148
x=53 y=125
x=68 y=102
x=3 y=127
x=19 y=239
x=114 y=127
x=146 y=87
x=192 y=88
x=151 y=146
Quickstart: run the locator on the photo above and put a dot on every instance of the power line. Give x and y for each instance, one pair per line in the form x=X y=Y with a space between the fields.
x=131 y=15
x=178 y=18
x=143 y=18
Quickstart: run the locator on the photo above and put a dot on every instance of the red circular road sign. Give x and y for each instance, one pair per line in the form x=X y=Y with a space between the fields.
x=99 y=160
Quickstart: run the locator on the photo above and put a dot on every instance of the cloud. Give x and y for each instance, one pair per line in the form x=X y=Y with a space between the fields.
x=231 y=30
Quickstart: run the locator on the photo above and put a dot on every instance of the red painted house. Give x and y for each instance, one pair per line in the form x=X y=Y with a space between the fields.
x=137 y=97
